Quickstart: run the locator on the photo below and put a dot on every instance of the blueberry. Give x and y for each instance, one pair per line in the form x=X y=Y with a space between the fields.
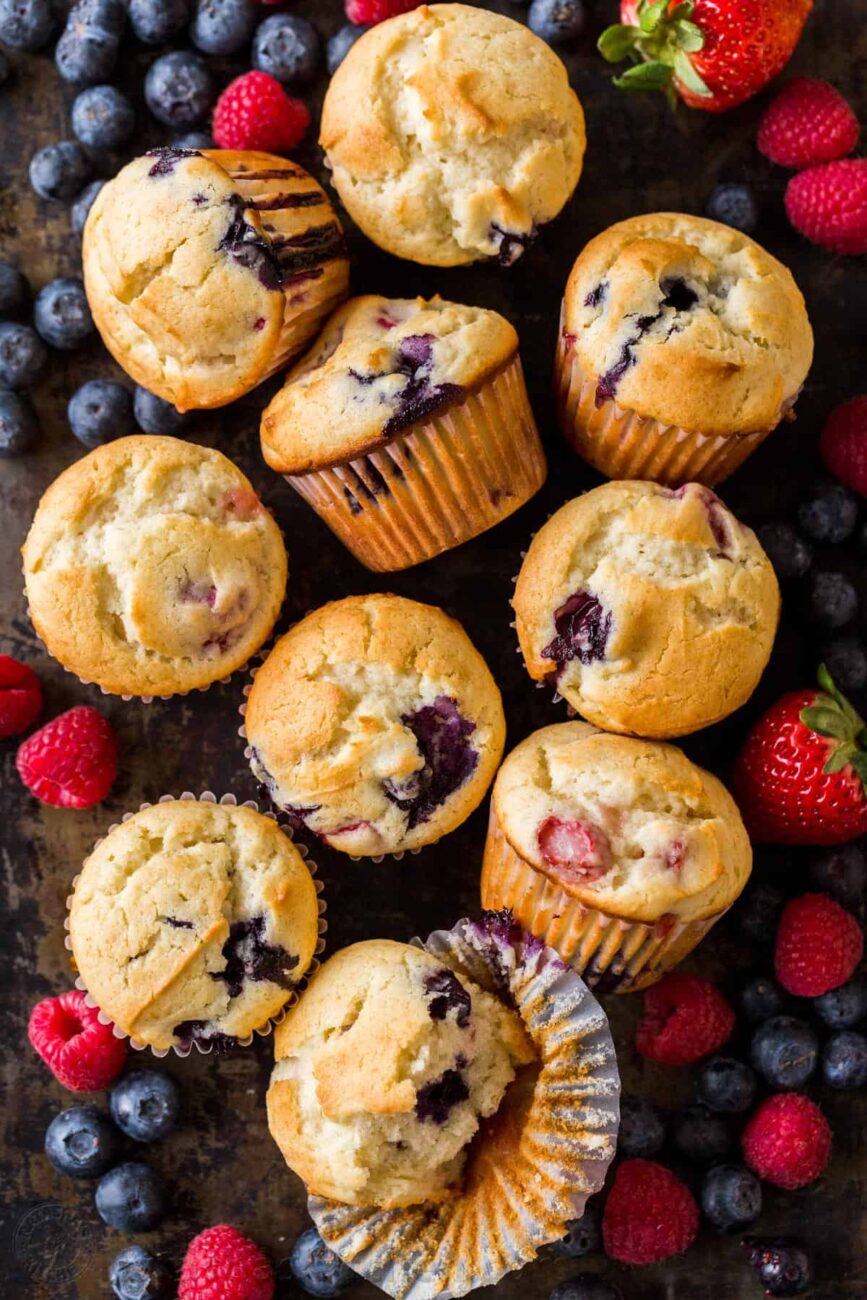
x=846 y=661
x=725 y=1085
x=556 y=20
x=87 y=51
x=287 y=48
x=758 y=912
x=102 y=117
x=842 y=873
x=26 y=24
x=130 y=1197
x=829 y=513
x=18 y=427
x=316 y=1268
x=80 y=209
x=785 y=1051
x=762 y=998
x=733 y=205
x=586 y=1286
x=844 y=1060
x=340 y=44
x=136 y=1274
x=14 y=291
x=642 y=1128
x=61 y=314
x=223 y=26
x=833 y=599
x=731 y=1197
x=100 y=411
x=782 y=1264
x=179 y=89
x=81 y=1142
x=22 y=355
x=701 y=1135
x=59 y=170
x=583 y=1236
x=153 y=415
x=843 y=1007
x=193 y=140
x=157 y=21
x=145 y=1105
x=787 y=551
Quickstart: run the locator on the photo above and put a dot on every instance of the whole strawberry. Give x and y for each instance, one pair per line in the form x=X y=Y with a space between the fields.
x=843 y=444
x=712 y=54
x=799 y=777
x=222 y=1264
x=829 y=205
x=71 y=762
x=808 y=123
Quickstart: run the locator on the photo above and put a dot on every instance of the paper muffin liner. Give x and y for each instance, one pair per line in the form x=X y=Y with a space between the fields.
x=267 y=1027
x=624 y=445
x=437 y=484
x=532 y=1167
x=613 y=954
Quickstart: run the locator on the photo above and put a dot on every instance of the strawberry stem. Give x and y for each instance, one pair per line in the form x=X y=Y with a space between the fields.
x=832 y=716
x=659 y=48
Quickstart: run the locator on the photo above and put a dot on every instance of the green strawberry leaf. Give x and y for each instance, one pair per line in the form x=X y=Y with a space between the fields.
x=841 y=756
x=690 y=38
x=645 y=76
x=617 y=43
x=682 y=11
x=651 y=16
x=827 y=684
x=827 y=721
x=687 y=75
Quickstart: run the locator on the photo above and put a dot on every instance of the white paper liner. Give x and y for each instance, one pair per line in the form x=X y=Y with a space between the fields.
x=262 y=1031
x=531 y=1170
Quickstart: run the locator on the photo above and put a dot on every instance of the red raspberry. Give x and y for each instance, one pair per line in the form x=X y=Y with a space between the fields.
x=81 y=1053
x=649 y=1214
x=808 y=123
x=787 y=1141
x=843 y=444
x=222 y=1264
x=71 y=762
x=20 y=697
x=685 y=1018
x=366 y=12
x=829 y=205
x=819 y=946
x=254 y=112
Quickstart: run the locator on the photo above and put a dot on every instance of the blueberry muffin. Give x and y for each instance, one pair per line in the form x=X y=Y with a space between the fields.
x=452 y=135
x=376 y=724
x=682 y=345
x=651 y=608
x=407 y=427
x=385 y=1070
x=152 y=567
x=206 y=272
x=193 y=923
x=619 y=853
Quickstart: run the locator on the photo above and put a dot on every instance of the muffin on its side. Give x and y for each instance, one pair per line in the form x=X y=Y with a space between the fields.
x=193 y=922
x=152 y=567
x=453 y=135
x=619 y=853
x=653 y=609
x=407 y=427
x=682 y=345
x=376 y=724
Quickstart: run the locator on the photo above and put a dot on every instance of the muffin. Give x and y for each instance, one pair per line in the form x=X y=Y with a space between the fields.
x=206 y=272
x=193 y=922
x=682 y=345
x=453 y=135
x=384 y=1071
x=407 y=427
x=376 y=724
x=152 y=567
x=619 y=853
x=651 y=608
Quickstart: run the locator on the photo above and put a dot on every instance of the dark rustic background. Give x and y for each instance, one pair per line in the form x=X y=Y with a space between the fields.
x=221 y=1164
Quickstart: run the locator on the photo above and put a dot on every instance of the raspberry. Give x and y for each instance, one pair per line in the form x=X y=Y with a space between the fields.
x=787 y=1141
x=81 y=1053
x=376 y=11
x=71 y=762
x=254 y=112
x=649 y=1214
x=808 y=123
x=828 y=205
x=685 y=1018
x=222 y=1264
x=20 y=697
x=819 y=945
x=843 y=443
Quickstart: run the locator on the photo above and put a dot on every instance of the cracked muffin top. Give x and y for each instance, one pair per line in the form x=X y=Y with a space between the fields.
x=453 y=135
x=152 y=567
x=193 y=922
x=652 y=609
x=375 y=723
x=688 y=322
x=383 y=1072
x=627 y=826
x=380 y=365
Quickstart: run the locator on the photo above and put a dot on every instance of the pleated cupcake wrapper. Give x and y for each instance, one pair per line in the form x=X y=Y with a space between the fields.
x=531 y=1168
x=614 y=955
x=262 y=1031
x=438 y=484
x=625 y=445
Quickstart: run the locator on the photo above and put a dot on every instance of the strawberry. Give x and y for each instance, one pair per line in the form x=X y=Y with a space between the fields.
x=828 y=205
x=713 y=54
x=799 y=778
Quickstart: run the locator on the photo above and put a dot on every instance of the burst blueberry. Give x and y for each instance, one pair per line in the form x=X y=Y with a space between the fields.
x=583 y=626
x=19 y=428
x=145 y=1105
x=340 y=44
x=787 y=551
x=442 y=736
x=844 y=1060
x=731 y=1197
x=317 y=1269
x=154 y=415
x=785 y=1051
x=22 y=355
x=81 y=1142
x=179 y=89
x=435 y=1101
x=26 y=24
x=701 y=1135
x=130 y=1197
x=829 y=513
x=557 y=21
x=100 y=411
x=583 y=1236
x=287 y=47
x=61 y=314
x=156 y=21
x=725 y=1084
x=781 y=1263
x=102 y=117
x=642 y=1128
x=59 y=171
x=447 y=997
x=80 y=210
x=249 y=955
x=136 y=1274
x=733 y=205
